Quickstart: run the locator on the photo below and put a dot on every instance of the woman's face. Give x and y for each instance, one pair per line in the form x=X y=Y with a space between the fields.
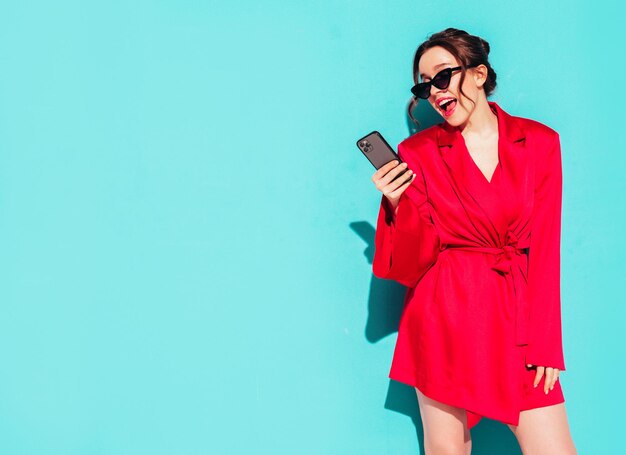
x=434 y=60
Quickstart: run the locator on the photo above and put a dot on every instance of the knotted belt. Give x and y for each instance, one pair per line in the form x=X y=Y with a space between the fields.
x=505 y=264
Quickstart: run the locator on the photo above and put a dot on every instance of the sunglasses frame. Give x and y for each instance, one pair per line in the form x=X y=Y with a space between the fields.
x=444 y=84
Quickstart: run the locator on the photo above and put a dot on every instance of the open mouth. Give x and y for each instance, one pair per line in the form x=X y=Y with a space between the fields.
x=447 y=107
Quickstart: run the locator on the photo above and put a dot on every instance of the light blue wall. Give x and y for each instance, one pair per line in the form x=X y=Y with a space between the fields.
x=186 y=225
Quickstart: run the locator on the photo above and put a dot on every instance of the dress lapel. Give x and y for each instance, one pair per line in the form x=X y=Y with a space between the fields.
x=498 y=199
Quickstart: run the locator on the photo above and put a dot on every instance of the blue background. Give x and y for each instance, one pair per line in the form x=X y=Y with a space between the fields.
x=186 y=224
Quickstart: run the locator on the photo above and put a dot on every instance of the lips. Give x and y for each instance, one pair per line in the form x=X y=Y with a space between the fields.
x=446 y=105
x=443 y=99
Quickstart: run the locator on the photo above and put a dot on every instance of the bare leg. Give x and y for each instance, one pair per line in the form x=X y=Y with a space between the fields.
x=544 y=430
x=445 y=427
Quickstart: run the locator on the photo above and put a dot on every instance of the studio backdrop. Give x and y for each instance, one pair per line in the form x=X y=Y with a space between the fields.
x=187 y=225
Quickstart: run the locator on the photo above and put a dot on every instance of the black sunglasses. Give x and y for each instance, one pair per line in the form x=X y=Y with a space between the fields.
x=441 y=81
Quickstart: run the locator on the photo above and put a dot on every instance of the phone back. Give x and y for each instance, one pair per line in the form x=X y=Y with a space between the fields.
x=376 y=149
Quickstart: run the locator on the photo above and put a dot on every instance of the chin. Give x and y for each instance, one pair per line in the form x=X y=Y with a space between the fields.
x=459 y=118
x=454 y=122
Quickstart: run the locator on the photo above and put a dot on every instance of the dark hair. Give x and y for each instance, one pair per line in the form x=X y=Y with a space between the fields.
x=468 y=49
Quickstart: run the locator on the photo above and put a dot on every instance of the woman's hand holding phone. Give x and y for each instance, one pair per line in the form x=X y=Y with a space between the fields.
x=392 y=187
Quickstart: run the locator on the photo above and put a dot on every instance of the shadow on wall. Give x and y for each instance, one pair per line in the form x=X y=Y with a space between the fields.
x=385 y=305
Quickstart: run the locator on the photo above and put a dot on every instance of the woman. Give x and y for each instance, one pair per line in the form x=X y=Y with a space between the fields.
x=473 y=230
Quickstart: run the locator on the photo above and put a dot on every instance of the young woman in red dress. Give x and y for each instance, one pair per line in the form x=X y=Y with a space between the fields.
x=473 y=230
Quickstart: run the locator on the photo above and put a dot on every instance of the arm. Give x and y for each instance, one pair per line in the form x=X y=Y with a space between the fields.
x=545 y=345
x=406 y=242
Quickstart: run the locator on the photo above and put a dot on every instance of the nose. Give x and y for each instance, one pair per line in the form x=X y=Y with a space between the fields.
x=434 y=91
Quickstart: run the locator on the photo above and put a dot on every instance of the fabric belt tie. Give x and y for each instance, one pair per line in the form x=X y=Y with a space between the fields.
x=505 y=264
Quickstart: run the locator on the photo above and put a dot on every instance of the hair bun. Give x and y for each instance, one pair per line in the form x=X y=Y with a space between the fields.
x=485 y=45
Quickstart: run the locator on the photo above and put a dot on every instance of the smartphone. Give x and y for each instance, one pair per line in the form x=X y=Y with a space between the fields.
x=377 y=150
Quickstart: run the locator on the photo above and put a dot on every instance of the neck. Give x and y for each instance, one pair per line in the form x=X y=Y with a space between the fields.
x=481 y=122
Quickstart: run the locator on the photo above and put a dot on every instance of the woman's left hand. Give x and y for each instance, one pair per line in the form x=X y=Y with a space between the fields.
x=552 y=374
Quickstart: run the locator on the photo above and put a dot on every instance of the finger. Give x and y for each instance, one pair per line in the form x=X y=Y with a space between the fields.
x=389 y=167
x=398 y=183
x=549 y=381
x=529 y=365
x=556 y=377
x=396 y=193
x=392 y=174
x=538 y=376
x=391 y=164
x=381 y=171
x=386 y=179
x=553 y=380
x=394 y=179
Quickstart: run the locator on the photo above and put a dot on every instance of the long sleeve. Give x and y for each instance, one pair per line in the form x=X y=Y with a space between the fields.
x=406 y=244
x=545 y=346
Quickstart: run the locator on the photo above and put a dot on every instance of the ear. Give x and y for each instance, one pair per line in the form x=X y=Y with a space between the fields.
x=480 y=74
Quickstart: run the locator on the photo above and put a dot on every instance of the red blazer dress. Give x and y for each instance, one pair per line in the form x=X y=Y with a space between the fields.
x=481 y=260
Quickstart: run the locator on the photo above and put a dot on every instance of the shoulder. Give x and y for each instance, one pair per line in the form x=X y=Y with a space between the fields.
x=537 y=131
x=544 y=146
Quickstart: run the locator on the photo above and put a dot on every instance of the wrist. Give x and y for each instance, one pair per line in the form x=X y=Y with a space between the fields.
x=393 y=203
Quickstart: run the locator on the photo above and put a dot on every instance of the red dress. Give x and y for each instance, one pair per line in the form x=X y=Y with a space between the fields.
x=482 y=263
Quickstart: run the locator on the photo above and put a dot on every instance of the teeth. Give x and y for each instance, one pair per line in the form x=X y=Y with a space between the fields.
x=444 y=100
x=444 y=106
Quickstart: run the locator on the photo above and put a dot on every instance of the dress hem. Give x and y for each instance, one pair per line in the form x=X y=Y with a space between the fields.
x=473 y=415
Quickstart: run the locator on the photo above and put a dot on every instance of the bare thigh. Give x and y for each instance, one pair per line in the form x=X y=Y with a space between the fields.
x=544 y=430
x=445 y=427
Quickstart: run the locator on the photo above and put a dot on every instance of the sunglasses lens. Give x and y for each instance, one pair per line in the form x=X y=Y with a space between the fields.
x=421 y=90
x=442 y=79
